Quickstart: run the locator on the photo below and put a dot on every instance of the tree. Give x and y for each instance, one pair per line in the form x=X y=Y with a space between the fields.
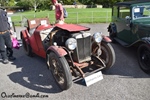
x=45 y=5
x=108 y=3
x=31 y=3
x=3 y=2
x=35 y=3
x=11 y=2
x=67 y=1
x=23 y=4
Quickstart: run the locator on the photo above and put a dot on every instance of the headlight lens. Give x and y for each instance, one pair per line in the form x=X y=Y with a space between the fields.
x=98 y=37
x=71 y=43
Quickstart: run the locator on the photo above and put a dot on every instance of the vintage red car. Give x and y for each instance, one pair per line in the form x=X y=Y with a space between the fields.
x=68 y=49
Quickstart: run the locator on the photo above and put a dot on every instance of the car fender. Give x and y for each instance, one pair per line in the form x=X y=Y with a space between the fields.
x=112 y=28
x=106 y=39
x=58 y=50
x=24 y=34
x=146 y=40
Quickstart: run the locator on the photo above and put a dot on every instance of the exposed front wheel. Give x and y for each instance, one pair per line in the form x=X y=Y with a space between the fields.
x=27 y=47
x=108 y=54
x=60 y=70
x=144 y=57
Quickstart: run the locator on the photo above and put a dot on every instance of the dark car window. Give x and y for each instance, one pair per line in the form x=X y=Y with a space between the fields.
x=123 y=12
x=138 y=12
x=141 y=11
x=115 y=11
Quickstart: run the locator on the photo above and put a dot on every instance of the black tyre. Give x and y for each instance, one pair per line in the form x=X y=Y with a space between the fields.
x=144 y=57
x=60 y=70
x=112 y=35
x=108 y=54
x=27 y=47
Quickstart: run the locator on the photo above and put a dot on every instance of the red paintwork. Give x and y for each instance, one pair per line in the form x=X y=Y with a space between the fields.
x=25 y=35
x=107 y=39
x=35 y=40
x=43 y=27
x=36 y=44
x=72 y=27
x=58 y=50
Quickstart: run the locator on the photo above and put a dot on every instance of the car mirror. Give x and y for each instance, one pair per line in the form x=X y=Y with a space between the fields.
x=128 y=22
x=127 y=17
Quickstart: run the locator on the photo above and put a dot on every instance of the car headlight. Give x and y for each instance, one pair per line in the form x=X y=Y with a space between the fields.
x=71 y=43
x=98 y=37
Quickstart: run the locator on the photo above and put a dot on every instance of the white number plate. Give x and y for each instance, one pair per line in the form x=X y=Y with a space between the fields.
x=91 y=79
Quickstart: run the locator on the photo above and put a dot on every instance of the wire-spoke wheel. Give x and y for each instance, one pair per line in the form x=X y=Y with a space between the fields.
x=60 y=70
x=108 y=54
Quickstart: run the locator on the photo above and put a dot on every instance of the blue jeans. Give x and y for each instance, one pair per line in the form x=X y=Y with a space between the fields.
x=5 y=40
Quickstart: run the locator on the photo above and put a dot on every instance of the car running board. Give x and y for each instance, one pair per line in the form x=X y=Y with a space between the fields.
x=122 y=42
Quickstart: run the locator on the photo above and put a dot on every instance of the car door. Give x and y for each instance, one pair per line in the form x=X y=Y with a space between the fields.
x=123 y=25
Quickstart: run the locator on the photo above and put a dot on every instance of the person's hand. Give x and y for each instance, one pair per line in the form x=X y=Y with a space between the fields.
x=11 y=31
x=61 y=18
x=61 y=22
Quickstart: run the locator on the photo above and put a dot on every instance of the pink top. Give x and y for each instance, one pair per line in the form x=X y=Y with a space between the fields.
x=58 y=12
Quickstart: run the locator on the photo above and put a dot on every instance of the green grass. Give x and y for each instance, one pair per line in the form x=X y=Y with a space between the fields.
x=88 y=15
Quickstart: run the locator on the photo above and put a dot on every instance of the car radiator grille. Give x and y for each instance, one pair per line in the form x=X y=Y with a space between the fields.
x=83 y=51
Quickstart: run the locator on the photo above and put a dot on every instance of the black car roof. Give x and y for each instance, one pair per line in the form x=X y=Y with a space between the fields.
x=128 y=3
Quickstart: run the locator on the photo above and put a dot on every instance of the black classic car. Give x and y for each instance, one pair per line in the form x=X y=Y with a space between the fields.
x=130 y=26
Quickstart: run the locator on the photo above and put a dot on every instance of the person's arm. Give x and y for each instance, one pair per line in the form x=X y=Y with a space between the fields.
x=62 y=13
x=8 y=24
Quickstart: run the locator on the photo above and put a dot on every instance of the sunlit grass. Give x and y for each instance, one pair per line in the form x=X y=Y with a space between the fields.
x=88 y=15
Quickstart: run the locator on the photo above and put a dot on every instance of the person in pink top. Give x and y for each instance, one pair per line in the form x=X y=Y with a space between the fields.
x=59 y=15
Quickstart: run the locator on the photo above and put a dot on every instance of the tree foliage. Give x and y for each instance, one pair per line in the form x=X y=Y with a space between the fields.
x=34 y=4
x=23 y=4
x=45 y=4
x=7 y=2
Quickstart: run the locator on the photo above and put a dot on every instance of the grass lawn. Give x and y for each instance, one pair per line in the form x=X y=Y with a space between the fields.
x=88 y=15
